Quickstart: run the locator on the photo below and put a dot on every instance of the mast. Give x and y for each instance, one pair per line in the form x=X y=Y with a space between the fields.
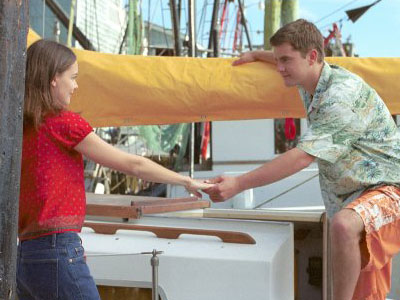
x=13 y=31
x=175 y=26
x=192 y=53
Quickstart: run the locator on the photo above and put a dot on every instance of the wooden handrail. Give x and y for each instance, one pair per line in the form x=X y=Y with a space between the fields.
x=161 y=208
x=172 y=232
x=132 y=207
x=155 y=201
x=117 y=211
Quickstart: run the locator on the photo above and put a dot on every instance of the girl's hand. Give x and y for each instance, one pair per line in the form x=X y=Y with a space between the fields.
x=193 y=186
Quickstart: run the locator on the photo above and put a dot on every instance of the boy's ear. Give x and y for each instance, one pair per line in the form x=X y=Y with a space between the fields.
x=313 y=56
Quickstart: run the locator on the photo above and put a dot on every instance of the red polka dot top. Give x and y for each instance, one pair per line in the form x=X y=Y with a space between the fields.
x=52 y=193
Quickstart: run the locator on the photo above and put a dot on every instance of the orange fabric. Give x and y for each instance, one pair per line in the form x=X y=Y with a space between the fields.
x=380 y=210
x=127 y=90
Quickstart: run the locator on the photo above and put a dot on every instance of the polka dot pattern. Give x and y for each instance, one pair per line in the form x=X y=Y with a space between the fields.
x=52 y=192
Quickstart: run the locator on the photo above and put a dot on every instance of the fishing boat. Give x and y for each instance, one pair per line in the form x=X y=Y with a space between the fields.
x=229 y=251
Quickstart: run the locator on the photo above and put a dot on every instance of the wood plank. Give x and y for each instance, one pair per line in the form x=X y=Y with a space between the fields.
x=162 y=201
x=264 y=214
x=122 y=200
x=112 y=211
x=171 y=232
x=155 y=209
x=123 y=206
x=128 y=200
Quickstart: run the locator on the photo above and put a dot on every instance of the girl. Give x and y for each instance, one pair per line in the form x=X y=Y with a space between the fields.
x=52 y=197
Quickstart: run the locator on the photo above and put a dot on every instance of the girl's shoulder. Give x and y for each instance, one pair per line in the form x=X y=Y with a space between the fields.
x=67 y=127
x=65 y=118
x=63 y=115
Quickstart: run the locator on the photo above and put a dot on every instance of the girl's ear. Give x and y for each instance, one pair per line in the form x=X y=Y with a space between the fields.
x=53 y=83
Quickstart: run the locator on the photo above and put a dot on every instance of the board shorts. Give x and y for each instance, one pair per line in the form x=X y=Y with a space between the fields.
x=379 y=209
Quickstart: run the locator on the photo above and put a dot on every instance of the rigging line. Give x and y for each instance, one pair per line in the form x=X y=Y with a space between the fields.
x=148 y=26
x=183 y=8
x=44 y=17
x=150 y=18
x=124 y=35
x=86 y=19
x=163 y=26
x=120 y=36
x=97 y=25
x=113 y=254
x=203 y=37
x=202 y=22
x=323 y=18
x=285 y=192
x=223 y=24
x=250 y=31
x=330 y=24
x=232 y=16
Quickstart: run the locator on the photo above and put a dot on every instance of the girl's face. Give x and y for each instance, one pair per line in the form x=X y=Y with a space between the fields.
x=64 y=84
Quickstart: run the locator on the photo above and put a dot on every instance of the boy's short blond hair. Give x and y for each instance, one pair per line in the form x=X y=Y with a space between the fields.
x=302 y=35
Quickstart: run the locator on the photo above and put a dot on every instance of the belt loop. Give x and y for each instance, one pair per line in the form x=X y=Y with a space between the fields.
x=54 y=240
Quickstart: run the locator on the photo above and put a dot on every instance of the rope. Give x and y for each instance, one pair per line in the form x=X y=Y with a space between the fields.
x=116 y=254
x=285 y=192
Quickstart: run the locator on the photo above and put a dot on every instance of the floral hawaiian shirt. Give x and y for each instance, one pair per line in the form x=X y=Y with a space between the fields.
x=352 y=135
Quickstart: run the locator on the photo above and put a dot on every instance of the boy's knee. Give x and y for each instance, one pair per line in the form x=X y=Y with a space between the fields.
x=346 y=225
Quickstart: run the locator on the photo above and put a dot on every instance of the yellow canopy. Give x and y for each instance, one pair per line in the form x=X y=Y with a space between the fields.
x=120 y=90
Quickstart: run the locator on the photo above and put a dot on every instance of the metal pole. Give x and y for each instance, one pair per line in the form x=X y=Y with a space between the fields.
x=76 y=32
x=179 y=10
x=192 y=27
x=290 y=11
x=155 y=262
x=57 y=31
x=243 y=20
x=192 y=53
x=175 y=24
x=131 y=20
x=213 y=39
x=14 y=22
x=71 y=22
x=272 y=20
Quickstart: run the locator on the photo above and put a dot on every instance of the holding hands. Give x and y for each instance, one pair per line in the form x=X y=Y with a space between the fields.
x=193 y=186
x=224 y=187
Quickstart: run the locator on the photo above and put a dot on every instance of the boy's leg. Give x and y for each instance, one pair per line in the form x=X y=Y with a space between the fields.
x=379 y=210
x=346 y=232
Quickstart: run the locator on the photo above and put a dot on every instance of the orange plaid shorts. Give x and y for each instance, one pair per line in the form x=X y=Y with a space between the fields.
x=379 y=208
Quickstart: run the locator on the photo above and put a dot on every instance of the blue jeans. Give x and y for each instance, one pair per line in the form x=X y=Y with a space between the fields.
x=54 y=267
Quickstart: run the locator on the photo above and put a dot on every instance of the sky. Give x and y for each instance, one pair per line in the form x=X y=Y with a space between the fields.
x=375 y=34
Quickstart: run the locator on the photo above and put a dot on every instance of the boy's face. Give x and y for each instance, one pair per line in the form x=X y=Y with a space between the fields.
x=293 y=67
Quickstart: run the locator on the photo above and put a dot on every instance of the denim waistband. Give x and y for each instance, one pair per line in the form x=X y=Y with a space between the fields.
x=53 y=240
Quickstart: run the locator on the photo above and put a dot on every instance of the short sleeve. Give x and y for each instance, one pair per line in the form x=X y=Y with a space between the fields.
x=68 y=129
x=334 y=129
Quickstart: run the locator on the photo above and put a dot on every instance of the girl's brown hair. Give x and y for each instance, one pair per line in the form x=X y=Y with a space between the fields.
x=45 y=59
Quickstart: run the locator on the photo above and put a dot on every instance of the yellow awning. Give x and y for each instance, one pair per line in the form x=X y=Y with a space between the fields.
x=120 y=90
